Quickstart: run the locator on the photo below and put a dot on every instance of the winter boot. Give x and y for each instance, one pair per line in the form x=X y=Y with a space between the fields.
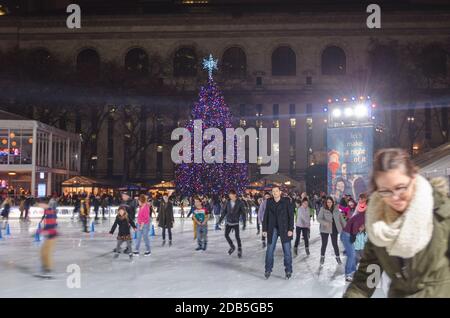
x=267 y=275
x=295 y=251
x=307 y=251
x=231 y=250
x=240 y=252
x=338 y=260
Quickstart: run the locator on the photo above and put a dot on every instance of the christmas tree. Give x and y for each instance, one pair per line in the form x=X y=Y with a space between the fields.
x=210 y=178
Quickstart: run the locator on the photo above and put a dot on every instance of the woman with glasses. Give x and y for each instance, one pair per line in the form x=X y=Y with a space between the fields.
x=408 y=226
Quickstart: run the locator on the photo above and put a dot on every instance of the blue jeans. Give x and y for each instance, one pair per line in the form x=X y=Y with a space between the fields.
x=202 y=234
x=286 y=252
x=143 y=232
x=350 y=264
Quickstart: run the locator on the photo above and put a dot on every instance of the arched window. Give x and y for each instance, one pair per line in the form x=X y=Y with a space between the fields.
x=88 y=63
x=433 y=60
x=185 y=63
x=333 y=61
x=136 y=62
x=284 y=62
x=234 y=63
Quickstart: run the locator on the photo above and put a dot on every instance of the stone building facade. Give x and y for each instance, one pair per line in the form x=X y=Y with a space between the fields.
x=274 y=69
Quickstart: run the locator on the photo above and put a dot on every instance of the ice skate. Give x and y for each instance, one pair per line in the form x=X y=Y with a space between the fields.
x=322 y=260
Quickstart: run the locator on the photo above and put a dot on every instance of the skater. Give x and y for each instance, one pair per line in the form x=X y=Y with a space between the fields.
x=53 y=202
x=352 y=206
x=21 y=206
x=331 y=224
x=408 y=226
x=216 y=211
x=96 y=204
x=104 y=205
x=165 y=218
x=5 y=212
x=360 y=242
x=348 y=236
x=181 y=209
x=124 y=223
x=303 y=225
x=248 y=211
x=143 y=226
x=194 y=225
x=49 y=219
x=76 y=205
x=130 y=205
x=233 y=211
x=84 y=214
x=278 y=222
x=261 y=210
x=29 y=201
x=201 y=217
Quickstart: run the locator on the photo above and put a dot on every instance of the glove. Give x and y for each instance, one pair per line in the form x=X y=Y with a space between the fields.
x=352 y=238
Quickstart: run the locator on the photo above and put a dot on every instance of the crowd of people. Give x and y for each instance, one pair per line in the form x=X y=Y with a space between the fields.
x=278 y=213
x=402 y=226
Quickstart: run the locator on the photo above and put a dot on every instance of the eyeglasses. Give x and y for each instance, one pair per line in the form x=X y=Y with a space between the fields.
x=397 y=191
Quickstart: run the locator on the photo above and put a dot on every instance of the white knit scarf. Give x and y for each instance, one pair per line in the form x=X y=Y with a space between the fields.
x=411 y=232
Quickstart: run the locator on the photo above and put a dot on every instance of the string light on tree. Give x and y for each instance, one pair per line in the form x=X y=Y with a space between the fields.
x=210 y=178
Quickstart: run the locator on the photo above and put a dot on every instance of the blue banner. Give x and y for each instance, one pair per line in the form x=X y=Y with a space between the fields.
x=349 y=161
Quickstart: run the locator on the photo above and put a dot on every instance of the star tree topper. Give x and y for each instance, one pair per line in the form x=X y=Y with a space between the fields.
x=210 y=64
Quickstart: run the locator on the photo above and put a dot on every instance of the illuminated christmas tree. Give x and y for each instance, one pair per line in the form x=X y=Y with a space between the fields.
x=210 y=178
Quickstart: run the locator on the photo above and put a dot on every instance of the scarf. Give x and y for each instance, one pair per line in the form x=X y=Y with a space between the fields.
x=403 y=235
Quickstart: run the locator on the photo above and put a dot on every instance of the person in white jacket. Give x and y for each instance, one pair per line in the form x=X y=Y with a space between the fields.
x=303 y=225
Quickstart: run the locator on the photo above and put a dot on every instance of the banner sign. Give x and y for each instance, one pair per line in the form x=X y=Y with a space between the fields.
x=349 y=162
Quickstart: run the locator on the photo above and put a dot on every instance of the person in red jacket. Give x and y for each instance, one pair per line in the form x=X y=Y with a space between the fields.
x=49 y=220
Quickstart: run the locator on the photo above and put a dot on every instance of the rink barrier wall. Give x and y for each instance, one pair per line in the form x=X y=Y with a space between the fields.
x=67 y=212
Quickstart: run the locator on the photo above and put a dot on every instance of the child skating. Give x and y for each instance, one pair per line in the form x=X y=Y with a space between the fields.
x=201 y=217
x=123 y=222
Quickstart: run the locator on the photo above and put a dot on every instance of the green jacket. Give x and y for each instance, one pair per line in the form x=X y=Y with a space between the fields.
x=425 y=275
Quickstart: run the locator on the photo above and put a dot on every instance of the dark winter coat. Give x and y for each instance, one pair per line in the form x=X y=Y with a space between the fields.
x=234 y=214
x=28 y=203
x=130 y=205
x=425 y=275
x=165 y=215
x=5 y=211
x=124 y=227
x=278 y=214
x=96 y=203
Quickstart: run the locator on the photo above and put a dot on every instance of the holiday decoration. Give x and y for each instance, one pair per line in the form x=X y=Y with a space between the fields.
x=210 y=178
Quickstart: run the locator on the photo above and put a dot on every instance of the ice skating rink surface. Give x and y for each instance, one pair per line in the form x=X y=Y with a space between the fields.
x=176 y=271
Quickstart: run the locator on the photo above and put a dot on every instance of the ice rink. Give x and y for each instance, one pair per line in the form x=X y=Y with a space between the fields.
x=177 y=271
